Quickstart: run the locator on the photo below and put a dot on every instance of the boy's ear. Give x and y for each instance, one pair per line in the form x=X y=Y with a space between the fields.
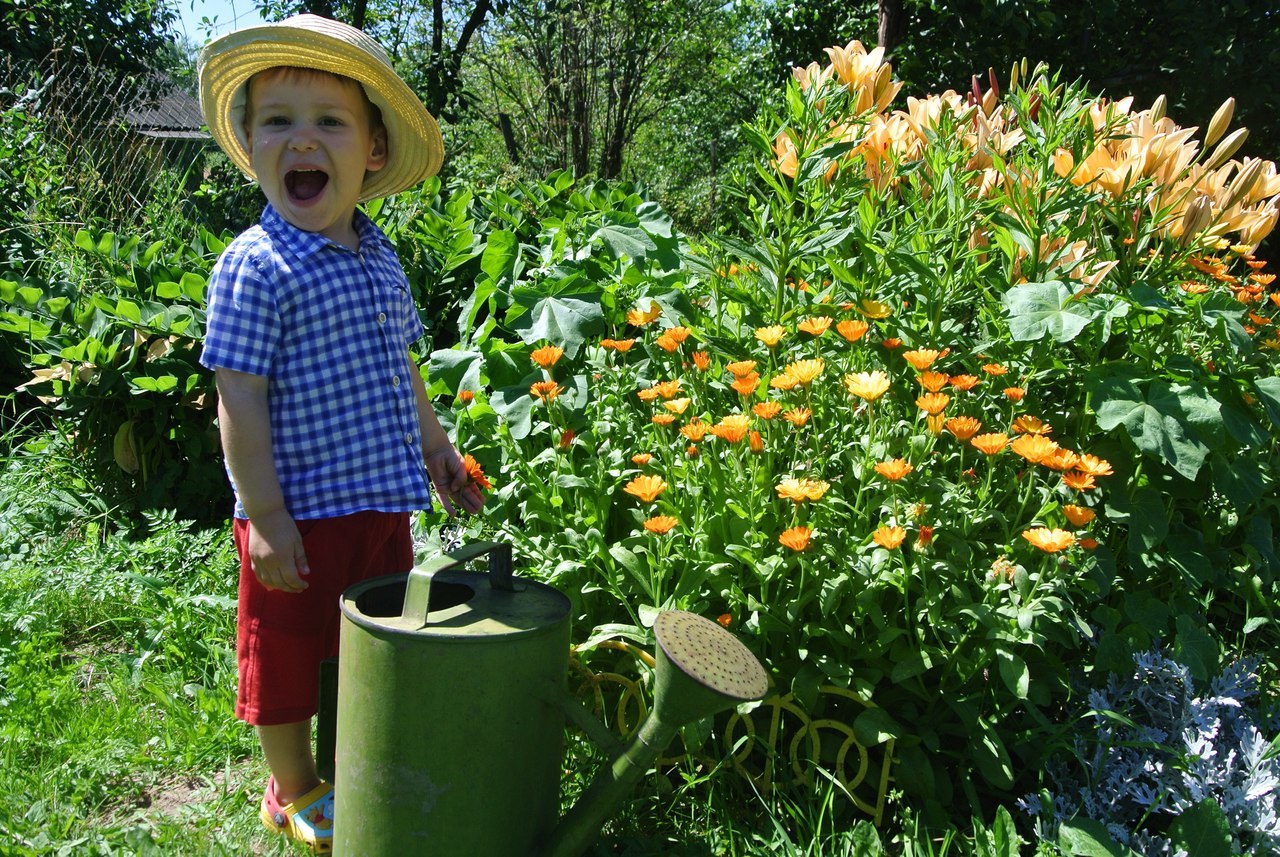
x=377 y=151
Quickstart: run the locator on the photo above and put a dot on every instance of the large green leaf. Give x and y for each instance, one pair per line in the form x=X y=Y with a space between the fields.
x=1168 y=420
x=561 y=320
x=991 y=757
x=1203 y=830
x=1039 y=310
x=515 y=406
x=1084 y=837
x=458 y=369
x=630 y=242
x=500 y=252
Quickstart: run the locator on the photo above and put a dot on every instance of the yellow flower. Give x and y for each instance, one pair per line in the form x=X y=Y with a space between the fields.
x=1034 y=447
x=767 y=410
x=770 y=336
x=894 y=469
x=990 y=444
x=800 y=490
x=867 y=385
x=1027 y=424
x=890 y=538
x=640 y=318
x=660 y=524
x=647 y=395
x=796 y=538
x=785 y=381
x=1014 y=394
x=640 y=459
x=677 y=406
x=995 y=369
x=741 y=368
x=933 y=381
x=875 y=309
x=663 y=419
x=935 y=423
x=852 y=330
x=1049 y=541
x=1094 y=466
x=1061 y=459
x=545 y=390
x=667 y=389
x=815 y=325
x=963 y=427
x=695 y=430
x=732 y=428
x=547 y=355
x=805 y=371
x=797 y=416
x=646 y=488
x=1078 y=515
x=933 y=403
x=921 y=358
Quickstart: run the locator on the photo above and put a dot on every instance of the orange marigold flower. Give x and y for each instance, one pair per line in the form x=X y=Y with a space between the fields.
x=925 y=536
x=566 y=438
x=933 y=381
x=640 y=459
x=679 y=334
x=995 y=369
x=663 y=419
x=475 y=472
x=964 y=382
x=887 y=537
x=746 y=384
x=785 y=381
x=617 y=344
x=1088 y=543
x=668 y=389
x=874 y=309
x=702 y=360
x=660 y=524
x=1094 y=466
x=732 y=428
x=1078 y=515
x=921 y=358
x=677 y=406
x=1049 y=541
x=741 y=368
x=640 y=318
x=545 y=390
x=990 y=444
x=933 y=403
x=891 y=343
x=692 y=451
x=963 y=427
x=815 y=325
x=868 y=386
x=1263 y=279
x=725 y=620
x=770 y=336
x=666 y=343
x=894 y=469
x=800 y=490
x=1034 y=447
x=1014 y=394
x=695 y=430
x=934 y=423
x=755 y=442
x=796 y=538
x=646 y=488
x=1027 y=424
x=465 y=397
x=852 y=330
x=1194 y=288
x=1077 y=481
x=767 y=410
x=547 y=355
x=797 y=416
x=806 y=371
x=1060 y=460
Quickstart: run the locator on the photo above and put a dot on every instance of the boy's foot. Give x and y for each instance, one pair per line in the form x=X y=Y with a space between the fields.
x=309 y=819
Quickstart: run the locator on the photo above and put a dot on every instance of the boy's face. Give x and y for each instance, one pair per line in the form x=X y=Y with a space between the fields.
x=311 y=143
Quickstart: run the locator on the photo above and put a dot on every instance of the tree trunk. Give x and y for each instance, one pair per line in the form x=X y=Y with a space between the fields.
x=892 y=25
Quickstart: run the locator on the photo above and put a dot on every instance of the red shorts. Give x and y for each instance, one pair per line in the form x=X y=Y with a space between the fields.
x=281 y=637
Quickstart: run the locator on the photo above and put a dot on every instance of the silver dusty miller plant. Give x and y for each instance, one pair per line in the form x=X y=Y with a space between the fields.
x=1168 y=750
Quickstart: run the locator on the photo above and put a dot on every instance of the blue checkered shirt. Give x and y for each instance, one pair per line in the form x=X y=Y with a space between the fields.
x=330 y=328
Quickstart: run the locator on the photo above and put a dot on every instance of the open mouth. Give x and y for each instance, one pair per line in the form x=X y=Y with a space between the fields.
x=304 y=185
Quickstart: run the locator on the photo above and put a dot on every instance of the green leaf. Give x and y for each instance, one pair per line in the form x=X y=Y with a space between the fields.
x=515 y=406
x=629 y=242
x=1168 y=421
x=162 y=384
x=1269 y=393
x=458 y=369
x=193 y=286
x=1014 y=672
x=1196 y=648
x=564 y=321
x=1203 y=830
x=991 y=757
x=501 y=250
x=168 y=290
x=875 y=726
x=1084 y=837
x=84 y=240
x=1039 y=310
x=129 y=310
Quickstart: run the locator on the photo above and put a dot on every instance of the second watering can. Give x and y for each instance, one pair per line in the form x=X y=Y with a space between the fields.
x=451 y=703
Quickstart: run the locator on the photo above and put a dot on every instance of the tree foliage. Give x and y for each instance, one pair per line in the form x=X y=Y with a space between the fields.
x=131 y=36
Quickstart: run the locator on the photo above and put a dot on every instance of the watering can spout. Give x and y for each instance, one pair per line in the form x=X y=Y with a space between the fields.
x=701 y=669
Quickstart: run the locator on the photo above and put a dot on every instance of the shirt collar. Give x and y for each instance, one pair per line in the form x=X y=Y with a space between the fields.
x=302 y=243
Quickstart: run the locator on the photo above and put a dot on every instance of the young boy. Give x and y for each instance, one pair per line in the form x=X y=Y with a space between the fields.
x=325 y=421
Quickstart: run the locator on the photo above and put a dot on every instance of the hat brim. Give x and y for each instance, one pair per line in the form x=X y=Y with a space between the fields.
x=415 y=149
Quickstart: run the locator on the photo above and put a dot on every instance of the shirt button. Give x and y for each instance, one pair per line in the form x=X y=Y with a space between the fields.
x=408 y=438
x=382 y=318
x=395 y=380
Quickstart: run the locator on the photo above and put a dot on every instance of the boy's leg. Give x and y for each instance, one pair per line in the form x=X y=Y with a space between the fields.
x=287 y=747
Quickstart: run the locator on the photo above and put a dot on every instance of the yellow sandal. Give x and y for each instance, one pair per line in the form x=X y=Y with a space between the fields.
x=308 y=820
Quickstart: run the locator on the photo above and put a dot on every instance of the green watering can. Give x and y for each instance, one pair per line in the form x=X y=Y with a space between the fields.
x=451 y=698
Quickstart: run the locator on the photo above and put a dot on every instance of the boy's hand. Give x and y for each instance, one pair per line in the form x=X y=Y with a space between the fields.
x=275 y=550
x=449 y=476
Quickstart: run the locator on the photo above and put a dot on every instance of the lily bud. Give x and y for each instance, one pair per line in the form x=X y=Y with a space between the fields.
x=1013 y=77
x=1226 y=148
x=1195 y=218
x=1158 y=108
x=1244 y=182
x=1218 y=124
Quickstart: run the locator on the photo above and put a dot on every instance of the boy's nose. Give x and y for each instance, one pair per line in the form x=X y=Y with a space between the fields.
x=302 y=140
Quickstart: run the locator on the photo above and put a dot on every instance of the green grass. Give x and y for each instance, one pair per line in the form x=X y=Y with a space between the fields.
x=117 y=688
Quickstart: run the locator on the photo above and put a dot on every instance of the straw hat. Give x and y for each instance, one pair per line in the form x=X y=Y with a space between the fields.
x=414 y=147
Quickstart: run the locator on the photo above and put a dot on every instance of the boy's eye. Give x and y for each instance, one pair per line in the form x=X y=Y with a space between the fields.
x=331 y=121
x=275 y=120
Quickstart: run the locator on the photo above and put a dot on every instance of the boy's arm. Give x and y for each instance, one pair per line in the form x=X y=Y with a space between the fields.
x=275 y=546
x=444 y=464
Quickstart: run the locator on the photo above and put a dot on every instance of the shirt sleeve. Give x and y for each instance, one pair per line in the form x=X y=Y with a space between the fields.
x=242 y=321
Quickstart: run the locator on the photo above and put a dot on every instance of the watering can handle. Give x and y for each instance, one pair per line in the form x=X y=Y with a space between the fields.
x=417 y=592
